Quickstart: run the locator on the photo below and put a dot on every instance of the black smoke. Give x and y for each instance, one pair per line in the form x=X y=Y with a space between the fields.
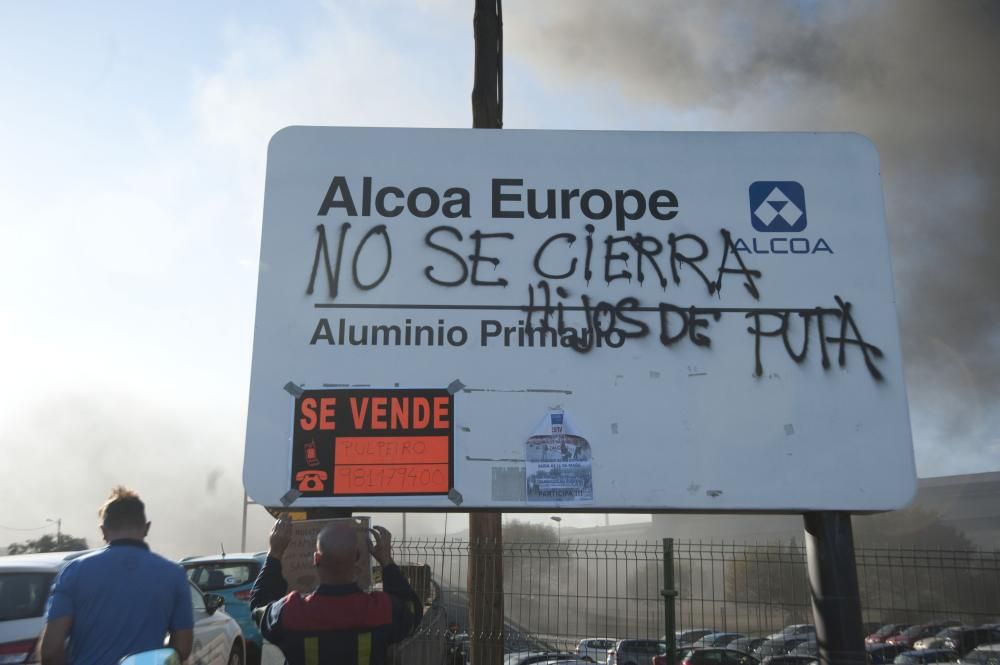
x=920 y=77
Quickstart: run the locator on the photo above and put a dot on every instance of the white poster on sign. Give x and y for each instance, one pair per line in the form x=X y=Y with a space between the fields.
x=558 y=462
x=715 y=310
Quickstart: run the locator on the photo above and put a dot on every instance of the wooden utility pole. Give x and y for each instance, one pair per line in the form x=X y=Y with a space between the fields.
x=487 y=86
x=486 y=616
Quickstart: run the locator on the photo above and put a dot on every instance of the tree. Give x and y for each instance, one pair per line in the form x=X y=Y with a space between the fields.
x=768 y=576
x=49 y=543
x=913 y=561
x=516 y=531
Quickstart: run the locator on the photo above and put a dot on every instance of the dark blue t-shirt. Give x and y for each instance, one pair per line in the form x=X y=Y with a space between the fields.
x=123 y=599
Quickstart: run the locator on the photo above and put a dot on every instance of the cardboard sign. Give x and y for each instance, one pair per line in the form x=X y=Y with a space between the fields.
x=297 y=563
x=353 y=442
x=715 y=310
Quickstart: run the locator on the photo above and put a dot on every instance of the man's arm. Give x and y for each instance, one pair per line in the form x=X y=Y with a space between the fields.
x=182 y=641
x=407 y=608
x=59 y=617
x=270 y=585
x=181 y=626
x=53 y=643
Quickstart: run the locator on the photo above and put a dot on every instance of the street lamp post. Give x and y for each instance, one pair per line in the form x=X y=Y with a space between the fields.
x=558 y=521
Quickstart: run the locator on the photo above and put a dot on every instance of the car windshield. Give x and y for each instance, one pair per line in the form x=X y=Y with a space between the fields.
x=23 y=595
x=889 y=629
x=221 y=575
x=914 y=631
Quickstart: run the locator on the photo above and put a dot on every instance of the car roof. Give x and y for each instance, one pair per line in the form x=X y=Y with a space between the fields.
x=39 y=562
x=237 y=557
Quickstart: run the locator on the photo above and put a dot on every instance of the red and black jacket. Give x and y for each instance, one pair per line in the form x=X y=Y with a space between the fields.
x=335 y=624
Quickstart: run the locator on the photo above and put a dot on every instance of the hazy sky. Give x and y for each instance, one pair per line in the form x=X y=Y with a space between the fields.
x=133 y=141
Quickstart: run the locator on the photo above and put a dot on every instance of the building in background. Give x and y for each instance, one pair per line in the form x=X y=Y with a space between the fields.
x=969 y=503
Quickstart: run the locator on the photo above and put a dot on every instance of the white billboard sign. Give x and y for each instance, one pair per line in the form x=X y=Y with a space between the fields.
x=594 y=321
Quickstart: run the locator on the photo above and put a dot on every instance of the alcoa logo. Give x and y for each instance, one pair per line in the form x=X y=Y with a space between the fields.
x=779 y=206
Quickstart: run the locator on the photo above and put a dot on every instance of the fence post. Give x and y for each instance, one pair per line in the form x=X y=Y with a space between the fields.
x=669 y=599
x=833 y=584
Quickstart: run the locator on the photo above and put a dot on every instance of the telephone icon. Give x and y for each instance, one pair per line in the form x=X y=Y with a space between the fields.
x=311 y=481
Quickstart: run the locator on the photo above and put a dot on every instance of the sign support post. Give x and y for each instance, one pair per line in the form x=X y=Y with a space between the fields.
x=485 y=583
x=833 y=583
x=669 y=594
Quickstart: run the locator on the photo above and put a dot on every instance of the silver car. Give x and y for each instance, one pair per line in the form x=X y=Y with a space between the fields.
x=25 y=583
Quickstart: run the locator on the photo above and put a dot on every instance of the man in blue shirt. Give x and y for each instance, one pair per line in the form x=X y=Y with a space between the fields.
x=119 y=600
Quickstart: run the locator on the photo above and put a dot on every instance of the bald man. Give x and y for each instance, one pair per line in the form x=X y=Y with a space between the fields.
x=337 y=623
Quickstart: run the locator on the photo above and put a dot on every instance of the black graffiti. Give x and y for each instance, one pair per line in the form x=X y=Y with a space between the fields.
x=604 y=323
x=322 y=257
x=332 y=274
x=469 y=269
x=728 y=248
x=612 y=323
x=429 y=270
x=850 y=336
x=380 y=230
x=477 y=257
x=693 y=321
x=681 y=251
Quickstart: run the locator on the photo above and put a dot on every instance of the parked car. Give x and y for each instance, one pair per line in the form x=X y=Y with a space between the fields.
x=595 y=648
x=686 y=638
x=963 y=640
x=804 y=630
x=716 y=640
x=231 y=576
x=880 y=654
x=715 y=656
x=935 y=641
x=885 y=632
x=925 y=657
x=807 y=648
x=537 y=657
x=778 y=646
x=787 y=659
x=988 y=654
x=746 y=644
x=635 y=652
x=911 y=635
x=25 y=582
x=218 y=639
x=939 y=640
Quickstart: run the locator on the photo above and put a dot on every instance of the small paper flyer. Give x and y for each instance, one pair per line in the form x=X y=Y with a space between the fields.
x=558 y=463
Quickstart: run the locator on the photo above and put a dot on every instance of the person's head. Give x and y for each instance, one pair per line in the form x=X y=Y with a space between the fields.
x=123 y=515
x=337 y=553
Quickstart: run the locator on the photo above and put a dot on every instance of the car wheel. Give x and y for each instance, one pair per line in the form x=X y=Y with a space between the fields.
x=236 y=655
x=253 y=654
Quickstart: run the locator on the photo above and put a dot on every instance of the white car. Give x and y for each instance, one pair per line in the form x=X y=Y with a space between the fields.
x=25 y=582
x=595 y=648
x=804 y=630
